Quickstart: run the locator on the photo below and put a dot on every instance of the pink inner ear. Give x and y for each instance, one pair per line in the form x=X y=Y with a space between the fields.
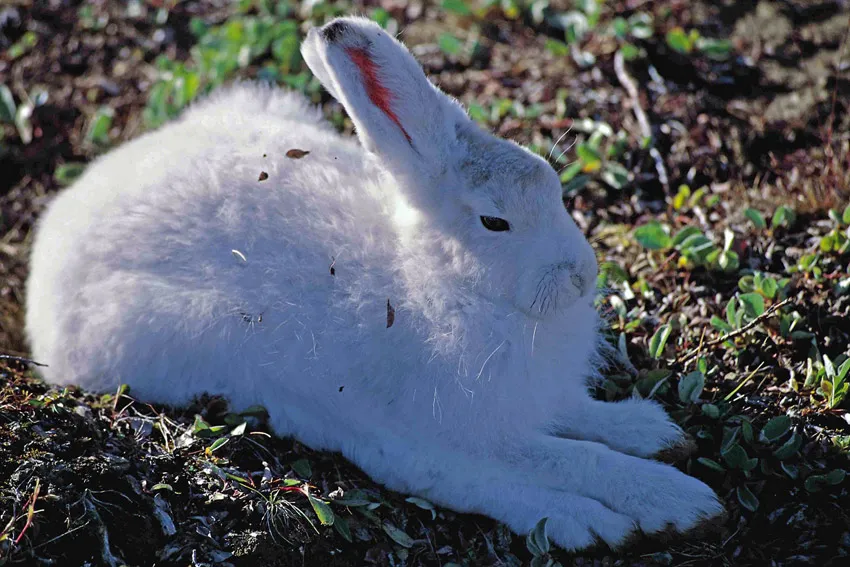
x=378 y=93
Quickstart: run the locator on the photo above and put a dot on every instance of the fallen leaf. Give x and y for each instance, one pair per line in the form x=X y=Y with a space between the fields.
x=390 y=314
x=296 y=154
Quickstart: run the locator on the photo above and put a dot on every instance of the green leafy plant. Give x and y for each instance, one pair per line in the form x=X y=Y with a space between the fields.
x=768 y=286
x=834 y=385
x=223 y=50
x=783 y=216
x=686 y=200
x=538 y=545
x=689 y=41
x=101 y=122
x=598 y=155
x=694 y=247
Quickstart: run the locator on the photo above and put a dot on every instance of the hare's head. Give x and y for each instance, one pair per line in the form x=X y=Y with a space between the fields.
x=495 y=205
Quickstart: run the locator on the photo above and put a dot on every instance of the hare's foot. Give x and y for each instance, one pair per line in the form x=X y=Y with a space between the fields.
x=656 y=496
x=635 y=427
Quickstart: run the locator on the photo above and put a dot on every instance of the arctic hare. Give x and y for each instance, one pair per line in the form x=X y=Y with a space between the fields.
x=420 y=302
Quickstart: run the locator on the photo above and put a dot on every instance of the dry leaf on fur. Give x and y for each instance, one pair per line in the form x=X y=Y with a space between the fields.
x=296 y=154
x=263 y=176
x=390 y=314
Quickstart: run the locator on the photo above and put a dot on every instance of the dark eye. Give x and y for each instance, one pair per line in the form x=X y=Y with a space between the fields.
x=495 y=224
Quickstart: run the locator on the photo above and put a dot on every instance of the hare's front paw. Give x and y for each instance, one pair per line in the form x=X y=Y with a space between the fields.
x=649 y=432
x=586 y=523
x=635 y=427
x=659 y=496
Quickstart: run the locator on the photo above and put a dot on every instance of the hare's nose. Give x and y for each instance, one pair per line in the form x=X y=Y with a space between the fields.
x=578 y=281
x=584 y=278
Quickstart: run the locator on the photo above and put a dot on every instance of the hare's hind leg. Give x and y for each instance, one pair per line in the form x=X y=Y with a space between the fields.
x=635 y=426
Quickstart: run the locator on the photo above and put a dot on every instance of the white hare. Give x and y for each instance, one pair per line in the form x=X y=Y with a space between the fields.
x=447 y=353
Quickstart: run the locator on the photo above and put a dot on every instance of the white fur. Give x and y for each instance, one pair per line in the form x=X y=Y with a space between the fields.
x=168 y=266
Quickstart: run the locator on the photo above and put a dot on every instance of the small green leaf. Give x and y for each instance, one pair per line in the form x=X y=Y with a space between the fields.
x=322 y=510
x=381 y=17
x=784 y=216
x=828 y=368
x=557 y=48
x=477 y=113
x=747 y=431
x=537 y=541
x=424 y=504
x=710 y=410
x=753 y=304
x=302 y=468
x=98 y=132
x=756 y=218
x=843 y=371
x=575 y=183
x=354 y=498
x=620 y=27
x=199 y=425
x=836 y=476
x=615 y=175
x=789 y=448
x=162 y=486
x=845 y=217
x=775 y=429
x=684 y=235
x=342 y=528
x=218 y=443
x=67 y=173
x=630 y=51
x=717 y=49
x=713 y=465
x=735 y=456
x=681 y=197
x=457 y=6
x=729 y=261
x=570 y=172
x=790 y=470
x=679 y=41
x=769 y=287
x=747 y=499
x=690 y=387
x=653 y=236
x=720 y=324
x=589 y=157
x=449 y=44
x=658 y=340
x=398 y=535
x=8 y=108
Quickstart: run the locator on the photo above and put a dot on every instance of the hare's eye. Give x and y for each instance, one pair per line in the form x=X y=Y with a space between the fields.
x=495 y=224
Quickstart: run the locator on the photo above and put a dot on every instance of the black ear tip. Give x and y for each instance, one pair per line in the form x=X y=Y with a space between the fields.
x=333 y=31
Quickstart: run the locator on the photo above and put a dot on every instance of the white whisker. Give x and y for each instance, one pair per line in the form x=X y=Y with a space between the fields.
x=487 y=359
x=558 y=141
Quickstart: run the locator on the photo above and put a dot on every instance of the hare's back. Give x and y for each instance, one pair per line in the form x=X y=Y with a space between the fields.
x=175 y=256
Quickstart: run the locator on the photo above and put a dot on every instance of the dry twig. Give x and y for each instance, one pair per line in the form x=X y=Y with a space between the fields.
x=733 y=334
x=643 y=121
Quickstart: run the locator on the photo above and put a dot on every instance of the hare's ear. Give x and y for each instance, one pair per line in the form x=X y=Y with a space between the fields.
x=398 y=113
